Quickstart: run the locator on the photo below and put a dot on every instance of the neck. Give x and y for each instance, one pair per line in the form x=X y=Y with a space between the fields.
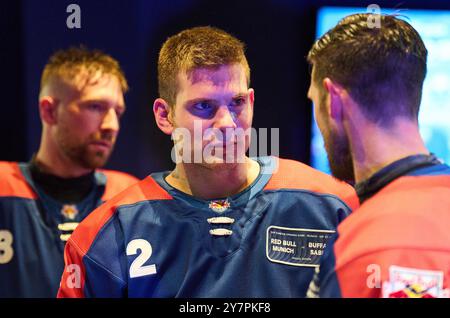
x=52 y=161
x=212 y=182
x=382 y=147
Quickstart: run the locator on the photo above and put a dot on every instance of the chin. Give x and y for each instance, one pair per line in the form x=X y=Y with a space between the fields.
x=95 y=161
x=220 y=164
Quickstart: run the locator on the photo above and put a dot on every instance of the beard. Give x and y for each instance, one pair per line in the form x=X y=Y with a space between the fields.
x=80 y=152
x=339 y=156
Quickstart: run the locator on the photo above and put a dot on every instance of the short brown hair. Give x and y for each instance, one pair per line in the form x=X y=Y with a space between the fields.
x=193 y=48
x=383 y=68
x=67 y=64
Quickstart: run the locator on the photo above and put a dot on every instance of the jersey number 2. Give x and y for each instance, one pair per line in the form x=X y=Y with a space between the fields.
x=137 y=268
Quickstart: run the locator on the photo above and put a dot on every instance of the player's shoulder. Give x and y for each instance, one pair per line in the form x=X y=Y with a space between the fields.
x=119 y=176
x=409 y=195
x=399 y=211
x=10 y=170
x=291 y=174
x=116 y=181
x=13 y=182
x=146 y=190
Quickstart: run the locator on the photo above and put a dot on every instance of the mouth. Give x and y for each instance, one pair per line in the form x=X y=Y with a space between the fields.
x=102 y=144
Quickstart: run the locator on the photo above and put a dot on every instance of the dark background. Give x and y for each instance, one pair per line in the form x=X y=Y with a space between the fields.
x=278 y=34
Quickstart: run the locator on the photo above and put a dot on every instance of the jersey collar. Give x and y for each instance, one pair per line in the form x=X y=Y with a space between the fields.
x=366 y=189
x=267 y=166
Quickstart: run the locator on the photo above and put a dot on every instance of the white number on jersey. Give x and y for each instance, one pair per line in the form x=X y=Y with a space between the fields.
x=138 y=268
x=6 y=251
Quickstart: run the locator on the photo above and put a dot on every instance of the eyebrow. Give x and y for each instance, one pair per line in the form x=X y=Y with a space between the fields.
x=104 y=102
x=198 y=100
x=211 y=100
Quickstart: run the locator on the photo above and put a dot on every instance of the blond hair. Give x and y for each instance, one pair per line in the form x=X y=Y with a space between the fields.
x=79 y=66
x=199 y=47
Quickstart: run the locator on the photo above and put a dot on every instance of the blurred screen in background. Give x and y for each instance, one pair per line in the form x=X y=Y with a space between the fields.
x=434 y=116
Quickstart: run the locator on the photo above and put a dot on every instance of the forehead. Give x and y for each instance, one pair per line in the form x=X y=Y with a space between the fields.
x=216 y=76
x=105 y=86
x=211 y=80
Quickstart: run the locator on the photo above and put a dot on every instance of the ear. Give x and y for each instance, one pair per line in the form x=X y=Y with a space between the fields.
x=251 y=97
x=335 y=108
x=161 y=110
x=47 y=110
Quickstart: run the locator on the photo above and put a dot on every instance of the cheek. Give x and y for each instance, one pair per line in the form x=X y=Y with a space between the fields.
x=84 y=126
x=245 y=118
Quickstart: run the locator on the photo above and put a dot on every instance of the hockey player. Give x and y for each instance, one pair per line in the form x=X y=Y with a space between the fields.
x=42 y=201
x=366 y=86
x=224 y=225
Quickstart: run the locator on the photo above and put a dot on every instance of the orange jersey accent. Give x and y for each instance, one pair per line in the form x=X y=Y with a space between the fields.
x=13 y=183
x=406 y=224
x=296 y=175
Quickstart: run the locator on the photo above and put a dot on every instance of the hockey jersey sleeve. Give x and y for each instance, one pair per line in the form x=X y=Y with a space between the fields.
x=85 y=276
x=95 y=256
x=93 y=259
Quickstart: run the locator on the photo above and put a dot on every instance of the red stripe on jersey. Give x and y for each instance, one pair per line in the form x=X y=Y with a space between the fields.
x=116 y=182
x=296 y=175
x=72 y=281
x=405 y=224
x=13 y=183
x=86 y=232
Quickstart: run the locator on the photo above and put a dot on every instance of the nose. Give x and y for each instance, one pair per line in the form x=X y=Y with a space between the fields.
x=224 y=119
x=110 y=121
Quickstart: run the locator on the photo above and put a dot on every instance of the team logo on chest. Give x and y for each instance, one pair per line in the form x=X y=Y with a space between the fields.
x=219 y=205
x=69 y=211
x=407 y=282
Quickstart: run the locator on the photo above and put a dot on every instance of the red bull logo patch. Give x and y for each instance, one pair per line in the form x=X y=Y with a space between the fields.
x=70 y=211
x=219 y=205
x=412 y=291
x=414 y=283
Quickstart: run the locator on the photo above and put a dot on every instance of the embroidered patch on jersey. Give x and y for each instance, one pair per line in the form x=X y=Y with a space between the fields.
x=414 y=283
x=70 y=211
x=219 y=205
x=298 y=247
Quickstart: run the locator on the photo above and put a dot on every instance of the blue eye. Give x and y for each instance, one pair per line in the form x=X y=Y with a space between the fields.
x=203 y=109
x=237 y=102
x=202 y=106
x=95 y=107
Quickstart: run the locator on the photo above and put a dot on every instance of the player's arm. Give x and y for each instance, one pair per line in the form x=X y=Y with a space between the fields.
x=93 y=261
x=85 y=277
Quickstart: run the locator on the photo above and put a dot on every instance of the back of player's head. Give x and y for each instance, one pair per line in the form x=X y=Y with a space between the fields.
x=383 y=68
x=79 y=66
x=199 y=47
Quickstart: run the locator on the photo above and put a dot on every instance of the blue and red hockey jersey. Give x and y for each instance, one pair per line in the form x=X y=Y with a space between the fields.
x=155 y=241
x=34 y=228
x=396 y=245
